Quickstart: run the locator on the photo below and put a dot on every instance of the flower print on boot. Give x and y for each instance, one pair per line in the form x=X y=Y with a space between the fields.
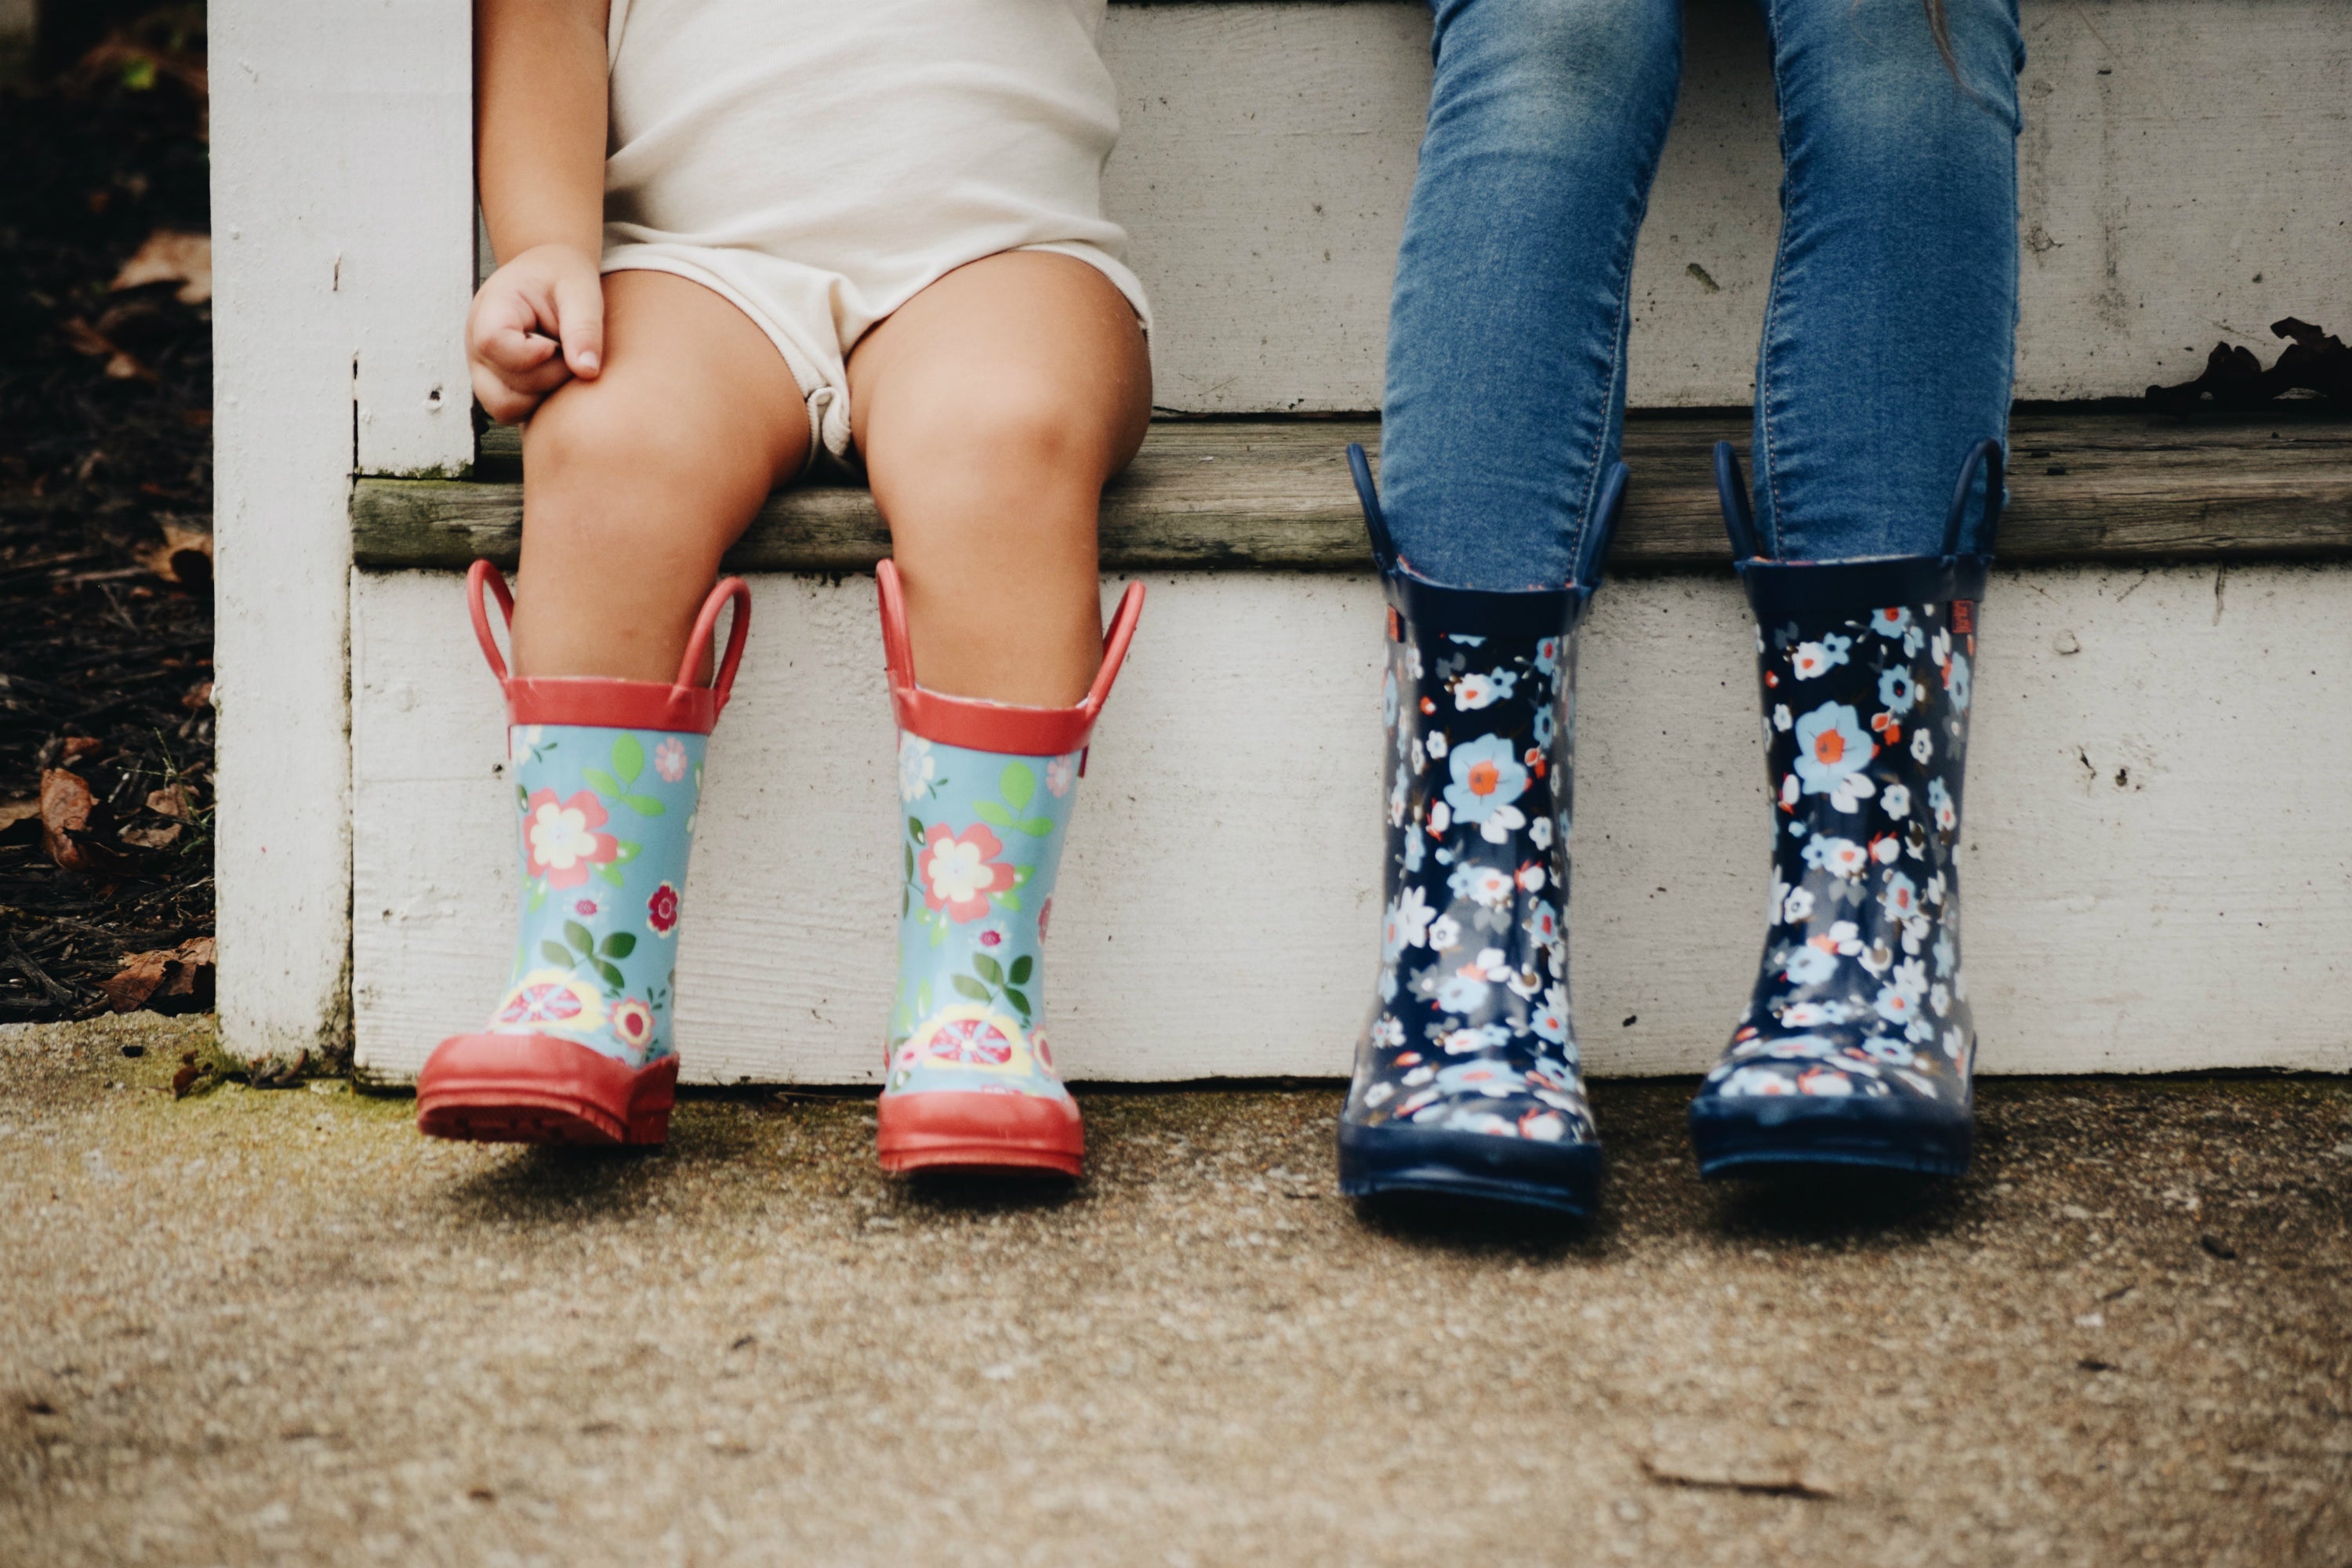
x=1467 y=1080
x=1857 y=1047
x=987 y=789
x=606 y=776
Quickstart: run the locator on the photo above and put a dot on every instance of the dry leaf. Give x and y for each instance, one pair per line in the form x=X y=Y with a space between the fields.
x=18 y=809
x=199 y=697
x=184 y=556
x=172 y=255
x=170 y=801
x=121 y=366
x=79 y=748
x=152 y=836
x=170 y=979
x=67 y=806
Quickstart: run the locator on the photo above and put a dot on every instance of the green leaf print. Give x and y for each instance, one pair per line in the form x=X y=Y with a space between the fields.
x=987 y=969
x=1016 y=783
x=1019 y=1004
x=556 y=952
x=522 y=797
x=538 y=897
x=1021 y=875
x=610 y=872
x=614 y=980
x=923 y=998
x=1023 y=968
x=1007 y=899
x=993 y=813
x=620 y=944
x=581 y=939
x=644 y=805
x=601 y=782
x=915 y=830
x=967 y=986
x=1035 y=826
x=628 y=757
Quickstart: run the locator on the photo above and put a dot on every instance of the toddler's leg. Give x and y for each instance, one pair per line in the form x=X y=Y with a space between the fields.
x=635 y=483
x=990 y=409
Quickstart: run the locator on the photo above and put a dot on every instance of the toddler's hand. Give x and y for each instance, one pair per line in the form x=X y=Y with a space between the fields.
x=536 y=323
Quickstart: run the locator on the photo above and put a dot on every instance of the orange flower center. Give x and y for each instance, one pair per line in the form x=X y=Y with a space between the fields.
x=1484 y=777
x=1829 y=746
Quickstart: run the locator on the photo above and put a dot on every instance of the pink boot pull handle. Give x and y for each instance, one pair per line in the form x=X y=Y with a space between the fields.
x=729 y=590
x=981 y=725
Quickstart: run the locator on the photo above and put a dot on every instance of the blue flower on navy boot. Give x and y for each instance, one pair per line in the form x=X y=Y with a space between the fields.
x=1858 y=1047
x=1467 y=1079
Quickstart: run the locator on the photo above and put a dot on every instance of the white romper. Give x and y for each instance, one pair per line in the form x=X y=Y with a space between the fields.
x=820 y=161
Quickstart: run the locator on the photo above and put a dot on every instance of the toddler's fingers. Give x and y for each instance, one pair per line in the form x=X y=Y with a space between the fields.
x=580 y=317
x=515 y=351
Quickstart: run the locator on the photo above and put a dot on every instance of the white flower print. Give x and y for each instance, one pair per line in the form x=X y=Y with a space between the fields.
x=1822 y=1080
x=1473 y=691
x=1418 y=1076
x=1935 y=890
x=1502 y=820
x=1408 y=922
x=1440 y=817
x=1852 y=791
x=1789 y=786
x=1757 y=1081
x=1798 y=905
x=1397 y=803
x=1061 y=773
x=1436 y=740
x=1890 y=623
x=1780 y=719
x=1877 y=958
x=1420 y=757
x=1844 y=937
x=1842 y=855
x=1895 y=1005
x=1884 y=849
x=1379 y=1094
x=1947 y=952
x=1923 y=747
x=1939 y=649
x=1813 y=1014
x=1539 y=833
x=1895 y=800
x=1952 y=1043
x=1939 y=802
x=1486 y=886
x=1444 y=934
x=1389 y=1031
x=1532 y=877
x=1901 y=896
x=1814 y=659
x=669 y=759
x=1911 y=978
x=1940 y=997
x=916 y=767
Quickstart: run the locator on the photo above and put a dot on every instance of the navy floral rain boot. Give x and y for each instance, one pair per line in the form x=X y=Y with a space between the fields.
x=1467 y=1081
x=1857 y=1047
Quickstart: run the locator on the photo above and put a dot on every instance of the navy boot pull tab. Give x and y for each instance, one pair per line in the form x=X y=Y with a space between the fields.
x=1985 y=455
x=1604 y=531
x=1376 y=522
x=1739 y=514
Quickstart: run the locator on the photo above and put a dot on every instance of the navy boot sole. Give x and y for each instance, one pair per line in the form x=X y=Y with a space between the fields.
x=1739 y=1136
x=1562 y=1178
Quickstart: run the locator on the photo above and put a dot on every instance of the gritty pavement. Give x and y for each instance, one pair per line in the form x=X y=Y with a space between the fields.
x=259 y=1326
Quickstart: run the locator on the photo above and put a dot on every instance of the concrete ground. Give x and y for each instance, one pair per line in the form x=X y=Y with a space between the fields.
x=255 y=1326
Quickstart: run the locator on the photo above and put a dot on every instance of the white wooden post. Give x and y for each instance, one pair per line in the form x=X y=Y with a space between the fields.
x=342 y=245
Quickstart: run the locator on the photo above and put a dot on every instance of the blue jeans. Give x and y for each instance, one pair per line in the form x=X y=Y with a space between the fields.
x=1890 y=331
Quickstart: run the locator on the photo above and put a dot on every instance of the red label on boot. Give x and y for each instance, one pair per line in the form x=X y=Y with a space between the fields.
x=1964 y=616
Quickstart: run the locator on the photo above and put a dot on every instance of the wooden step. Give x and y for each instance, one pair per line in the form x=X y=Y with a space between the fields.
x=2085 y=487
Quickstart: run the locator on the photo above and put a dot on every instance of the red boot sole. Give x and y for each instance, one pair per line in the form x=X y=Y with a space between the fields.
x=1012 y=1134
x=537 y=1088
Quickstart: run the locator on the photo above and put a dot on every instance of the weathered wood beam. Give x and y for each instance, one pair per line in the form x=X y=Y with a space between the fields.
x=2085 y=487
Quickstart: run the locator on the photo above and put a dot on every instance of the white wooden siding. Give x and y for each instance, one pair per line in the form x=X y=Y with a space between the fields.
x=341 y=255
x=2157 y=866
x=2181 y=181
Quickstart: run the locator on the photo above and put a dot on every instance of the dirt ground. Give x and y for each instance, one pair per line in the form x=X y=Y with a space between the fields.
x=265 y=1326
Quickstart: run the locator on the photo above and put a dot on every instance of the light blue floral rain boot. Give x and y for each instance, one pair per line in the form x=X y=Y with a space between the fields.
x=987 y=788
x=606 y=776
x=1467 y=1081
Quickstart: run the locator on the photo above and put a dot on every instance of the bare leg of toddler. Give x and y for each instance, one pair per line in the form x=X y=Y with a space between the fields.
x=990 y=410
